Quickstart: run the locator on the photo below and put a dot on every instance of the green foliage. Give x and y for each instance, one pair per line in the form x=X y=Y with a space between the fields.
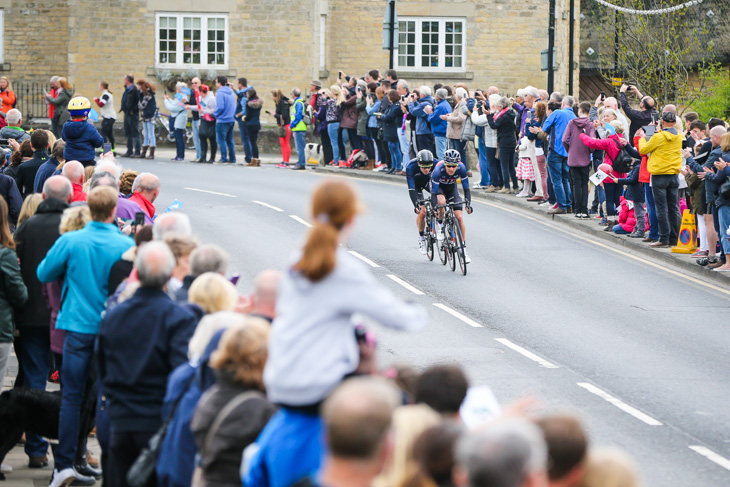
x=714 y=99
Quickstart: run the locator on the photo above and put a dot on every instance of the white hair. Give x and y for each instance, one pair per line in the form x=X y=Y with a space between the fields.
x=154 y=264
x=173 y=223
x=461 y=93
x=109 y=166
x=73 y=171
x=718 y=130
x=402 y=84
x=145 y=183
x=532 y=91
x=520 y=93
x=13 y=116
x=495 y=99
x=425 y=90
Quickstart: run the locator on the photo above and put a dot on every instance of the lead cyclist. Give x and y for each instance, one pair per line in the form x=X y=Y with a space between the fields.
x=444 y=190
x=418 y=178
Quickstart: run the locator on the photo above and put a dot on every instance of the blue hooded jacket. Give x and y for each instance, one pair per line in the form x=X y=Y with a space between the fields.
x=416 y=109
x=81 y=139
x=438 y=126
x=225 y=109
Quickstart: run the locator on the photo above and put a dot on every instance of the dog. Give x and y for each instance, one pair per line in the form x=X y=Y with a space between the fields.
x=29 y=411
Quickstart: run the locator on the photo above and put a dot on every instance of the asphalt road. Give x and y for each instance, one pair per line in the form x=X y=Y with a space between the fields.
x=637 y=349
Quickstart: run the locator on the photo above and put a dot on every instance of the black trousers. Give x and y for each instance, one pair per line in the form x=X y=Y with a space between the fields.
x=426 y=142
x=324 y=139
x=124 y=448
x=107 y=130
x=131 y=132
x=579 y=181
x=253 y=136
x=204 y=147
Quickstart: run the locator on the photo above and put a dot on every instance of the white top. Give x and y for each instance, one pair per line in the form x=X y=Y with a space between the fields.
x=108 y=110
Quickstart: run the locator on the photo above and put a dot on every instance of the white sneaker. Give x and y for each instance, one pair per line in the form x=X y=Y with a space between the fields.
x=439 y=232
x=6 y=468
x=62 y=478
x=467 y=259
x=422 y=244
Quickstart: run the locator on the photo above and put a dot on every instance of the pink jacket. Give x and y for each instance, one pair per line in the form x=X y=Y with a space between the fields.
x=626 y=217
x=609 y=146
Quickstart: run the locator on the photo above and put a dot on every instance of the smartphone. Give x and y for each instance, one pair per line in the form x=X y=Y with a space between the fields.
x=603 y=95
x=403 y=97
x=234 y=278
x=107 y=148
x=139 y=218
x=339 y=75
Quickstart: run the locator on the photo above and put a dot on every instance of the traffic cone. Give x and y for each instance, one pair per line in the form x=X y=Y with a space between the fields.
x=687 y=235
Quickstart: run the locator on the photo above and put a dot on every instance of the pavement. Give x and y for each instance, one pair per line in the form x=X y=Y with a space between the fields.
x=632 y=340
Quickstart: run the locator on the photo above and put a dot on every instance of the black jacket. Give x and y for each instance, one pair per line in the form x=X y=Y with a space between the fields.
x=12 y=292
x=392 y=119
x=505 y=126
x=140 y=343
x=130 y=101
x=634 y=189
x=9 y=191
x=27 y=171
x=638 y=118
x=33 y=239
x=283 y=115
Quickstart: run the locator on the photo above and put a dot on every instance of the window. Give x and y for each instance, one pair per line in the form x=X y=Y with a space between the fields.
x=432 y=44
x=192 y=40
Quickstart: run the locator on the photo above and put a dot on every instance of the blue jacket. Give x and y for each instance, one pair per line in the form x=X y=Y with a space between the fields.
x=81 y=139
x=241 y=100
x=372 y=119
x=290 y=447
x=9 y=191
x=225 y=109
x=555 y=126
x=438 y=126
x=141 y=341
x=84 y=258
x=416 y=109
x=44 y=172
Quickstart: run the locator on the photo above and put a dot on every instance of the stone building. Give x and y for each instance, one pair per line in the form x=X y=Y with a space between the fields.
x=281 y=43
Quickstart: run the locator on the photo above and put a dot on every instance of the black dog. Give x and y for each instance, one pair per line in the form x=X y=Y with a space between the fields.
x=30 y=411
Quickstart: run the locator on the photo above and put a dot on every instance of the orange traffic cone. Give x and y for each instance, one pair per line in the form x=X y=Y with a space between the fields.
x=687 y=235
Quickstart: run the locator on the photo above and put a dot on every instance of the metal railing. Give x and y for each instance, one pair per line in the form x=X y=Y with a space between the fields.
x=29 y=99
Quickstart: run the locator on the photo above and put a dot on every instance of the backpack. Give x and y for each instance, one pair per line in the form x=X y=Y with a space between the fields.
x=623 y=160
x=357 y=158
x=307 y=113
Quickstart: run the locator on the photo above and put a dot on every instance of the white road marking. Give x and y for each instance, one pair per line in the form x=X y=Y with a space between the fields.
x=301 y=220
x=406 y=285
x=527 y=353
x=364 y=259
x=275 y=208
x=458 y=315
x=711 y=455
x=620 y=404
x=211 y=192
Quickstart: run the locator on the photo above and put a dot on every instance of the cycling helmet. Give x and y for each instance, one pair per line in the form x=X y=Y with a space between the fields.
x=79 y=107
x=425 y=158
x=452 y=157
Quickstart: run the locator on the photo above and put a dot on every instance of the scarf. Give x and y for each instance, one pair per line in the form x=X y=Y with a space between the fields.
x=496 y=116
x=143 y=202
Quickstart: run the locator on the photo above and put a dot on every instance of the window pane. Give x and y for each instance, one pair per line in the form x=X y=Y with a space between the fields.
x=172 y=58
x=196 y=58
x=211 y=47
x=187 y=22
x=220 y=47
x=172 y=34
x=196 y=23
x=187 y=58
x=211 y=35
x=196 y=35
x=457 y=27
x=220 y=35
x=221 y=59
x=211 y=58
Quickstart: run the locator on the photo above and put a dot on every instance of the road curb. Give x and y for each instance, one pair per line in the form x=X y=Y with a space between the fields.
x=633 y=245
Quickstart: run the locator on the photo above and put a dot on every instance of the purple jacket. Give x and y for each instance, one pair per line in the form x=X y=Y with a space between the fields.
x=127 y=209
x=579 y=155
x=53 y=292
x=523 y=113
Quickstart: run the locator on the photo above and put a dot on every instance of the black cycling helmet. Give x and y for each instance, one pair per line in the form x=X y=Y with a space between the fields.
x=425 y=158
x=452 y=157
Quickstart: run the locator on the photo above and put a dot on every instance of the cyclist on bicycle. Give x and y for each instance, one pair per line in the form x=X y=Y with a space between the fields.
x=444 y=190
x=418 y=177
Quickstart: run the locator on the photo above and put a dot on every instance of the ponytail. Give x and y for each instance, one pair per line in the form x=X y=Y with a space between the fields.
x=334 y=204
x=318 y=257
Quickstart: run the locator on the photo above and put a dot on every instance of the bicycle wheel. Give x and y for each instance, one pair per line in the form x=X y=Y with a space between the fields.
x=440 y=248
x=429 y=238
x=451 y=246
x=459 y=246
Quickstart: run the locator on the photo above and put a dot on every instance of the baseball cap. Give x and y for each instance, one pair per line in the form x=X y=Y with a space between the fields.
x=669 y=117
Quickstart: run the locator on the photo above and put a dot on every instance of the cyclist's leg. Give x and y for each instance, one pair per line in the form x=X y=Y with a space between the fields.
x=453 y=196
x=441 y=199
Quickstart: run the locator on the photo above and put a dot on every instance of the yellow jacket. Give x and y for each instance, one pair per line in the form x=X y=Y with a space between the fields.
x=665 y=152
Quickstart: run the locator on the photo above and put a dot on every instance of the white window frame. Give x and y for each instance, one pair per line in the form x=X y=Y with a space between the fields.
x=441 y=42
x=2 y=35
x=203 y=40
x=322 y=41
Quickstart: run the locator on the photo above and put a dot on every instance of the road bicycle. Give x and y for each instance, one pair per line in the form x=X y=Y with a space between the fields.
x=431 y=240
x=453 y=242
x=163 y=133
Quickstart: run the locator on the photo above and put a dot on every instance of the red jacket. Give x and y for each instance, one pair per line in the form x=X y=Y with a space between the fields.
x=78 y=194
x=644 y=176
x=144 y=203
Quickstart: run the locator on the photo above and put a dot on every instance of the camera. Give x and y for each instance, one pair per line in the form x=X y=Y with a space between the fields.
x=403 y=97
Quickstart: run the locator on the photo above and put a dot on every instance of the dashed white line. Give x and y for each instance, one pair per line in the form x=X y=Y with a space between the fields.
x=458 y=315
x=527 y=353
x=620 y=404
x=275 y=208
x=406 y=285
x=364 y=259
x=711 y=455
x=211 y=192
x=301 y=220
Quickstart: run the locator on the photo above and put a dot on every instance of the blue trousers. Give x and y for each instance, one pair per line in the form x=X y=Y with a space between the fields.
x=299 y=142
x=442 y=143
x=245 y=140
x=333 y=131
x=224 y=137
x=484 y=164
x=560 y=176
x=78 y=352
x=396 y=156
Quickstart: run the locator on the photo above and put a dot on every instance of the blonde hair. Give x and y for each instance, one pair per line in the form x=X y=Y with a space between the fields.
x=51 y=140
x=725 y=142
x=337 y=94
x=334 y=204
x=102 y=200
x=208 y=326
x=29 y=207
x=408 y=422
x=242 y=352
x=74 y=218
x=609 y=467
x=181 y=245
x=6 y=79
x=213 y=293
x=618 y=125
